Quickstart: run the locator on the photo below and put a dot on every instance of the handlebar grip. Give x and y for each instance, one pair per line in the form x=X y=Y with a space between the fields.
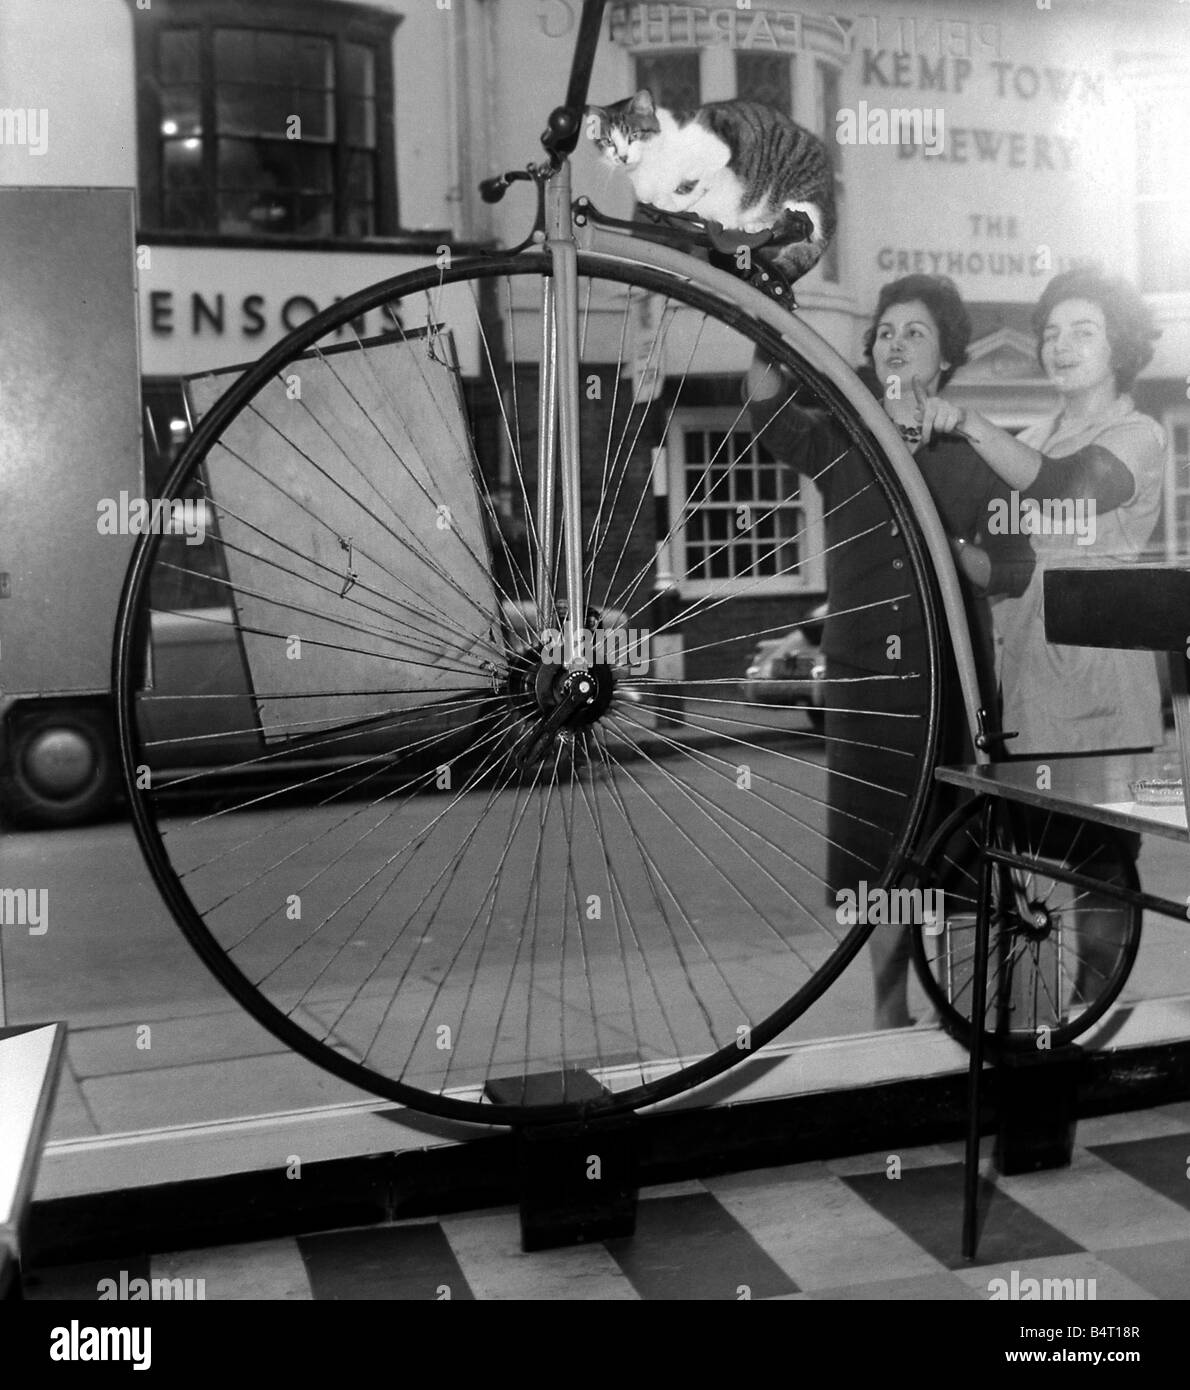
x=493 y=190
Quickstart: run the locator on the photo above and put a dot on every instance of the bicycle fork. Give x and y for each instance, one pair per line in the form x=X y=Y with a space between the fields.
x=558 y=422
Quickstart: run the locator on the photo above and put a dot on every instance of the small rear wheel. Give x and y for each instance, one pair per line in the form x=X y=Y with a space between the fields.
x=1059 y=954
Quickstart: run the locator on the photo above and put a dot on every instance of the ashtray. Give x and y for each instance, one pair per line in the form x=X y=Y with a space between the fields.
x=1157 y=791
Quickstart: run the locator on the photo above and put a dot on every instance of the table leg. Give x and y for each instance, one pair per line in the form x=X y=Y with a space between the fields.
x=983 y=914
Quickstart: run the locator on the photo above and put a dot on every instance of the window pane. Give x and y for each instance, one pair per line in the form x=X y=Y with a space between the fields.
x=276 y=58
x=673 y=79
x=1164 y=245
x=235 y=56
x=185 y=200
x=361 y=219
x=275 y=164
x=181 y=111
x=245 y=109
x=361 y=177
x=766 y=77
x=178 y=55
x=359 y=70
x=361 y=124
x=280 y=187
x=317 y=112
x=316 y=62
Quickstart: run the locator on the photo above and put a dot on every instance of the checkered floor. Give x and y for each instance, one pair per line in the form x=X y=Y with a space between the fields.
x=865 y=1227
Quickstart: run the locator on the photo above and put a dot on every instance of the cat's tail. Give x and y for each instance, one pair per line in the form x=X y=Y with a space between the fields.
x=799 y=257
x=812 y=228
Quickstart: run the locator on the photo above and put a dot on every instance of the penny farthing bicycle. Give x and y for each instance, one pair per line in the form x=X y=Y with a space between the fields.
x=523 y=864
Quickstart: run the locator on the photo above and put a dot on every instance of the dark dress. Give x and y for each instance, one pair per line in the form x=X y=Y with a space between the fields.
x=875 y=632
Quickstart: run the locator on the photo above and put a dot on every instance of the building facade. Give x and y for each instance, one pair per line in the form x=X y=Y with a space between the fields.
x=1047 y=135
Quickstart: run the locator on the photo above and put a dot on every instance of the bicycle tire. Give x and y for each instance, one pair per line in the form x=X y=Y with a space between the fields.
x=1053 y=972
x=697 y=1027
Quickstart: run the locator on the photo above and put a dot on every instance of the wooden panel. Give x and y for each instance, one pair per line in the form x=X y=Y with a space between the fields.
x=370 y=470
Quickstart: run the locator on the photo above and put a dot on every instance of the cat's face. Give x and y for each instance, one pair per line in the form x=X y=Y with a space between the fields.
x=622 y=132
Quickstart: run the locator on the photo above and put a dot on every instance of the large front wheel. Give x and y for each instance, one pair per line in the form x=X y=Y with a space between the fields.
x=382 y=810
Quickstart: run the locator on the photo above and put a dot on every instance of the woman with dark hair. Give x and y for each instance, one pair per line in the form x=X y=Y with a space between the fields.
x=874 y=632
x=1094 y=335
x=1092 y=478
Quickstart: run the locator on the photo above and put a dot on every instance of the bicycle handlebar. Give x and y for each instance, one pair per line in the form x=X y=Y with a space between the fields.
x=493 y=190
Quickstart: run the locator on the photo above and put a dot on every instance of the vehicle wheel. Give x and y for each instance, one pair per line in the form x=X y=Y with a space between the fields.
x=60 y=768
x=1054 y=968
x=638 y=896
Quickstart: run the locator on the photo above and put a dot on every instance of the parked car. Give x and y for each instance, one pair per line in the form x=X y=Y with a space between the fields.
x=790 y=669
x=58 y=763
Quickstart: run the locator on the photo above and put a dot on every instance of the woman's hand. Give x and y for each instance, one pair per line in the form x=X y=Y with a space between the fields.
x=1016 y=463
x=974 y=561
x=937 y=416
x=763 y=381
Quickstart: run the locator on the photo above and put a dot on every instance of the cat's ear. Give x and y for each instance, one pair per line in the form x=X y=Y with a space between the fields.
x=642 y=103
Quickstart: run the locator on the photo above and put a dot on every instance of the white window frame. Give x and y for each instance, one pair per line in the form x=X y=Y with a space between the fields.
x=1163 y=96
x=810 y=578
x=1175 y=416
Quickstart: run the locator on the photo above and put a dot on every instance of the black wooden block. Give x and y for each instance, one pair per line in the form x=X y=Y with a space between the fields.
x=578 y=1182
x=1036 y=1103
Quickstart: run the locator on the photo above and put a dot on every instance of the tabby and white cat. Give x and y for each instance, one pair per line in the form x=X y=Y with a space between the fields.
x=741 y=163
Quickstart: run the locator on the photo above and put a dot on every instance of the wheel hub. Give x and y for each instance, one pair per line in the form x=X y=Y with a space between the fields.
x=591 y=690
x=1036 y=921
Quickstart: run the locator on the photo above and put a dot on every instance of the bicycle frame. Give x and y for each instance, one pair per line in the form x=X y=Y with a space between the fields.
x=559 y=394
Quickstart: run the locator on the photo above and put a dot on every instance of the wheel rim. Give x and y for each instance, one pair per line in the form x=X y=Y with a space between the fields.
x=1057 y=958
x=416 y=919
